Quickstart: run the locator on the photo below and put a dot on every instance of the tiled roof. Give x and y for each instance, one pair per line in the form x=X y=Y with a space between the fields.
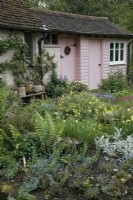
x=16 y=14
x=81 y=24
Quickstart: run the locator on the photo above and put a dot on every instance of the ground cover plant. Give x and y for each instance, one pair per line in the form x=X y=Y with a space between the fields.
x=77 y=146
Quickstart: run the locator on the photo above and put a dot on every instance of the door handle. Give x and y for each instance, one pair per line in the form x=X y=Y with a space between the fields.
x=61 y=56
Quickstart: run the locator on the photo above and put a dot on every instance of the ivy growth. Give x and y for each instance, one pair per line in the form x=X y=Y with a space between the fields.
x=23 y=72
x=12 y=42
x=17 y=64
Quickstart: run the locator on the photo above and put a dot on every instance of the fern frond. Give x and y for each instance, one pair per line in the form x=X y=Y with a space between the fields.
x=45 y=129
x=15 y=133
x=39 y=125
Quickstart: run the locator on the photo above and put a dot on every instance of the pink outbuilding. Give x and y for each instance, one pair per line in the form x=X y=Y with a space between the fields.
x=86 y=48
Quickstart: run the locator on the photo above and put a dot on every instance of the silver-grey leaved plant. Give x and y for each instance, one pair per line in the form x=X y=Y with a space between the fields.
x=116 y=145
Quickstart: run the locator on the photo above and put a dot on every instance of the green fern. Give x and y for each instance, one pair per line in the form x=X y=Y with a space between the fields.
x=15 y=132
x=45 y=129
x=16 y=136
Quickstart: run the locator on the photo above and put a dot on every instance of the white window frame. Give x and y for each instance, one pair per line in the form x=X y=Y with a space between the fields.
x=118 y=62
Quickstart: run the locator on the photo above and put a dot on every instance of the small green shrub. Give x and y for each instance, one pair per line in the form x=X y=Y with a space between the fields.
x=76 y=87
x=56 y=86
x=123 y=93
x=84 y=131
x=23 y=144
x=8 y=104
x=23 y=120
x=130 y=74
x=115 y=82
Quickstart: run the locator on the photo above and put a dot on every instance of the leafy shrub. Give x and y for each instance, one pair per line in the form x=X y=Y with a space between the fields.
x=76 y=86
x=82 y=106
x=123 y=93
x=115 y=82
x=8 y=104
x=84 y=131
x=119 y=114
x=23 y=120
x=23 y=144
x=130 y=74
x=56 y=86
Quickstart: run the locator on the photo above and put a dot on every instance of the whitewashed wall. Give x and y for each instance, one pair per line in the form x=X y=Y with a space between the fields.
x=7 y=76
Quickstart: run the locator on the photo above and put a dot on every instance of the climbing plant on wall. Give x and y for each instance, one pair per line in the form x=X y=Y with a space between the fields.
x=12 y=42
x=22 y=71
x=18 y=61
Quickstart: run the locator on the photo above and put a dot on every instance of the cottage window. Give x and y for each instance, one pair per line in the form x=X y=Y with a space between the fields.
x=51 y=39
x=29 y=41
x=117 y=53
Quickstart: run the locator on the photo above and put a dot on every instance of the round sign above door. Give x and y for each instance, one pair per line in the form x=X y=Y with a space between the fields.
x=67 y=50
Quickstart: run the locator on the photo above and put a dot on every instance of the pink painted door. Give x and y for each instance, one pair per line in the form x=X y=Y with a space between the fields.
x=68 y=61
x=95 y=65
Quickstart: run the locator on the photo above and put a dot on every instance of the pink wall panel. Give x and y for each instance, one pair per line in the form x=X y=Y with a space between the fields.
x=106 y=57
x=84 y=55
x=78 y=60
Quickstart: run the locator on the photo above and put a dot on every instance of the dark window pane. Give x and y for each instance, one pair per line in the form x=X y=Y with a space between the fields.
x=54 y=39
x=29 y=41
x=116 y=55
x=117 y=45
x=111 y=55
x=111 y=45
x=47 y=39
x=121 y=55
x=122 y=45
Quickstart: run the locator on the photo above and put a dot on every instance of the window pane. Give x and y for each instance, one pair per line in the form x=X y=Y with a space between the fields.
x=121 y=55
x=29 y=41
x=117 y=45
x=116 y=55
x=111 y=45
x=111 y=55
x=47 y=39
x=54 y=39
x=122 y=45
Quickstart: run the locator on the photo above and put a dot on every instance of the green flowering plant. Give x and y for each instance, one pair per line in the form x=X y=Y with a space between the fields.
x=85 y=130
x=115 y=82
x=124 y=120
x=76 y=86
x=81 y=106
